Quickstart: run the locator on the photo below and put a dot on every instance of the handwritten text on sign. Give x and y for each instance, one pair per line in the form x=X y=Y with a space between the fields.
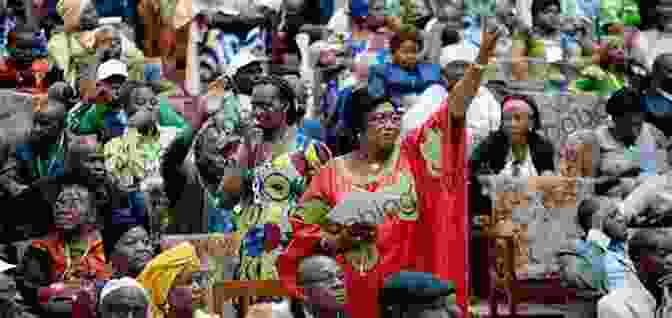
x=16 y=113
x=563 y=115
x=368 y=208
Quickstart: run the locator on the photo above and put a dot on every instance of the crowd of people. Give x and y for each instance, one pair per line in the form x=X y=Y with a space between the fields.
x=349 y=147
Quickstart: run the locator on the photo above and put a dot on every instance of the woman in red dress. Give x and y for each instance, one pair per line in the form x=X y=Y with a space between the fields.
x=426 y=168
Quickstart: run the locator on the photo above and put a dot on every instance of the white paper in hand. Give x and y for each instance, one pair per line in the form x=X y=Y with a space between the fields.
x=553 y=52
x=365 y=208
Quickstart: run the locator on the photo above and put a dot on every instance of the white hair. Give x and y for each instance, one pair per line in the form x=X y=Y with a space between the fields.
x=116 y=284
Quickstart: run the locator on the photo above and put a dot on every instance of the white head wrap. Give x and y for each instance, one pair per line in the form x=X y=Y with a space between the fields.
x=116 y=284
x=126 y=44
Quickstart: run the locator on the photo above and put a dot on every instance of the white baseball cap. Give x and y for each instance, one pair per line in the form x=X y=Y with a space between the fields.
x=4 y=266
x=110 y=20
x=112 y=67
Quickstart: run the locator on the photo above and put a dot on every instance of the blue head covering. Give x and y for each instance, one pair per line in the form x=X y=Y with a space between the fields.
x=359 y=8
x=414 y=288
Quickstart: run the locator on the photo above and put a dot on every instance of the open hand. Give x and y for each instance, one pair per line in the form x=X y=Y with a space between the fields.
x=489 y=35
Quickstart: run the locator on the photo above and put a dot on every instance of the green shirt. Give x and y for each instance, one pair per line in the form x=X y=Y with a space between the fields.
x=41 y=166
x=92 y=122
x=625 y=12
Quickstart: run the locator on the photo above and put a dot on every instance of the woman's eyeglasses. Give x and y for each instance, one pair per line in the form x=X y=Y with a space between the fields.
x=383 y=117
x=149 y=103
x=569 y=153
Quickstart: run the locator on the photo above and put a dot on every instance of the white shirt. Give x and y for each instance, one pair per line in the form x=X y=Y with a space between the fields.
x=526 y=169
x=632 y=301
x=483 y=116
x=651 y=44
x=340 y=21
x=617 y=264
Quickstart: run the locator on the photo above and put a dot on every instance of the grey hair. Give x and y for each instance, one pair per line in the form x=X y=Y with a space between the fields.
x=108 y=28
x=311 y=265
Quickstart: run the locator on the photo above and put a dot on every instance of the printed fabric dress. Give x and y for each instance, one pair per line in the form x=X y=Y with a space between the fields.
x=428 y=170
x=263 y=216
x=140 y=169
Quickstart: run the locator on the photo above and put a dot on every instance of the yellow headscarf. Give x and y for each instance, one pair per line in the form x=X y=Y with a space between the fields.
x=159 y=275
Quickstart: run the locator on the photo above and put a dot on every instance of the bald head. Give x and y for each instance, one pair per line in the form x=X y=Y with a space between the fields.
x=82 y=145
x=48 y=123
x=317 y=269
x=662 y=60
x=125 y=302
x=84 y=156
x=55 y=108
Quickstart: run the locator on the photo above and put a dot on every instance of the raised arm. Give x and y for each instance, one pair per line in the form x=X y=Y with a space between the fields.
x=9 y=181
x=465 y=90
x=173 y=161
x=520 y=65
x=441 y=141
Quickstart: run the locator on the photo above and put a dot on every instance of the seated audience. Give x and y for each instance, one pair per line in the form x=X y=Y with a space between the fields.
x=644 y=293
x=70 y=254
x=630 y=148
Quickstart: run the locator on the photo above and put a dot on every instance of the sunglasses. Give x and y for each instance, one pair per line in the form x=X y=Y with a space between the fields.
x=383 y=117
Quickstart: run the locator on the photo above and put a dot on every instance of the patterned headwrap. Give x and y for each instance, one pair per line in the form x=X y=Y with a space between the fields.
x=159 y=275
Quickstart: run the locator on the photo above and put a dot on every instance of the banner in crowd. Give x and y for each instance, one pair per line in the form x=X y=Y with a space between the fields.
x=561 y=115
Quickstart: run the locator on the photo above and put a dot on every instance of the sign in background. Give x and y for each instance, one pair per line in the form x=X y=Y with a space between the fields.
x=16 y=113
x=561 y=115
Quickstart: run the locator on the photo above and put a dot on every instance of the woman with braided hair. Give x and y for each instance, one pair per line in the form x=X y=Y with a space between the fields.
x=281 y=164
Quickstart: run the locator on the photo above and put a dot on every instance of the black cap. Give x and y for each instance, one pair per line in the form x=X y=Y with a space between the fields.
x=624 y=101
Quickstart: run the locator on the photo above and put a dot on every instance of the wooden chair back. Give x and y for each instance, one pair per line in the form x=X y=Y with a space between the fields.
x=242 y=291
x=510 y=247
